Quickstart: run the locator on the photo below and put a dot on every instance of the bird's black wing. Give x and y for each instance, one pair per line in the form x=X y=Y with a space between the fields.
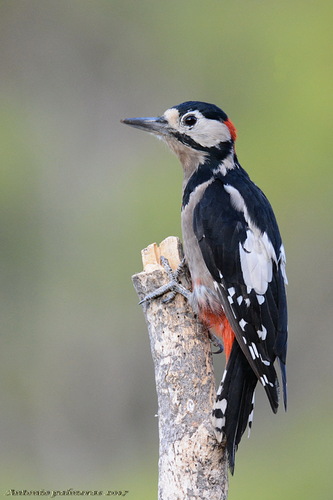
x=241 y=246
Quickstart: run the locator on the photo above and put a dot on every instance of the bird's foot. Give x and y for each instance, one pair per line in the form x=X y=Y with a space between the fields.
x=172 y=287
x=216 y=341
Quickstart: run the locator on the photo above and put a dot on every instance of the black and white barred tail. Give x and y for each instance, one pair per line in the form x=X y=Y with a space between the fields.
x=234 y=405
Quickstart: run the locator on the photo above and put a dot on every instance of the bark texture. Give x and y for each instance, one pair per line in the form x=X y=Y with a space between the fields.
x=191 y=463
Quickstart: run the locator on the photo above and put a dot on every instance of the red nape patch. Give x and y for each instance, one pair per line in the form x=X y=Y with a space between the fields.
x=232 y=129
x=220 y=326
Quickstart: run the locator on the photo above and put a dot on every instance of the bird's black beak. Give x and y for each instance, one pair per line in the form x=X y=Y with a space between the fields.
x=154 y=125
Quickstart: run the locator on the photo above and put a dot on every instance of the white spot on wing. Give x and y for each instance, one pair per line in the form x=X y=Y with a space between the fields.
x=264 y=361
x=262 y=333
x=255 y=350
x=253 y=356
x=242 y=323
x=264 y=380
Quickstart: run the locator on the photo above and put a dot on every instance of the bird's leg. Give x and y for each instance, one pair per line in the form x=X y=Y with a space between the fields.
x=172 y=287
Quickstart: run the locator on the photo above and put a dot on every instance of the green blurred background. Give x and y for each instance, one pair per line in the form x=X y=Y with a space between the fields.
x=81 y=195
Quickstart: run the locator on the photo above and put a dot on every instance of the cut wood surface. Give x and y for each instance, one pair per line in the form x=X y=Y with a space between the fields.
x=191 y=463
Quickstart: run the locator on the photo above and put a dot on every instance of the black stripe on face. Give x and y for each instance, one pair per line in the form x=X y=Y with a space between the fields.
x=220 y=151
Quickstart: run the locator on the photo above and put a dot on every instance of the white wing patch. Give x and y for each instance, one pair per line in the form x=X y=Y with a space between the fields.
x=257 y=253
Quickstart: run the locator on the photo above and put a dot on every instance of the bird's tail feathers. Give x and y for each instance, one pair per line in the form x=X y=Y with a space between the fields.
x=234 y=405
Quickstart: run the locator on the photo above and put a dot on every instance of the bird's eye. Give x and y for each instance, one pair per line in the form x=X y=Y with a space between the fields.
x=190 y=120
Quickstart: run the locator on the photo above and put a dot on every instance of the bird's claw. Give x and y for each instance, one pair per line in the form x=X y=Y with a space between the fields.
x=216 y=343
x=173 y=286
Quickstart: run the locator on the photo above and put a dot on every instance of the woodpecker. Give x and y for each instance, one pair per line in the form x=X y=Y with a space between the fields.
x=236 y=260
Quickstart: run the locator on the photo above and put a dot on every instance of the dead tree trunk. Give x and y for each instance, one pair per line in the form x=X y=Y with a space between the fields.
x=191 y=463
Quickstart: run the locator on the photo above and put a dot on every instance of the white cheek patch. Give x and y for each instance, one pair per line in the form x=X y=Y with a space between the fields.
x=208 y=133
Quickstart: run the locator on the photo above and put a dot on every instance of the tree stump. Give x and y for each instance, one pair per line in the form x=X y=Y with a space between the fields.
x=192 y=465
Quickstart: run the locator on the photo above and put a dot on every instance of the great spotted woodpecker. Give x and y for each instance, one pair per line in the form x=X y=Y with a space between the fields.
x=236 y=259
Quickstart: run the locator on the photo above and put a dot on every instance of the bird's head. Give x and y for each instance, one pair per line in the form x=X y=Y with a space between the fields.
x=193 y=130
